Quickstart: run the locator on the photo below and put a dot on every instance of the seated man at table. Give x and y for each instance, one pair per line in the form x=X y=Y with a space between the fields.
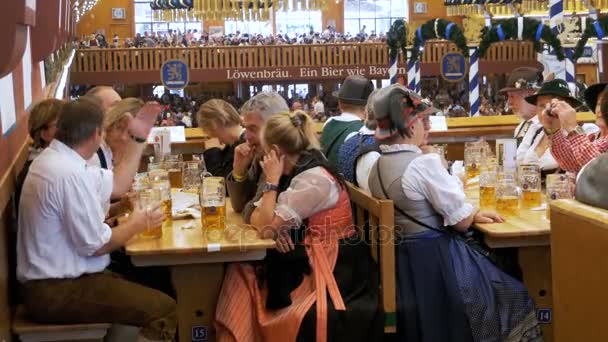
x=523 y=82
x=539 y=149
x=571 y=146
x=447 y=289
x=63 y=244
x=246 y=180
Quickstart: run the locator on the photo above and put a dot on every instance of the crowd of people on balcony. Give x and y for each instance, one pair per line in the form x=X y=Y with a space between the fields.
x=194 y=38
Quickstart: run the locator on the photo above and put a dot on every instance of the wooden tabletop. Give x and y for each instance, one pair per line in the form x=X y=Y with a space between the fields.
x=529 y=228
x=186 y=242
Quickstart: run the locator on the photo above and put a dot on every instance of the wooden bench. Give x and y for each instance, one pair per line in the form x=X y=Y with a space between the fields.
x=579 y=263
x=29 y=331
x=378 y=229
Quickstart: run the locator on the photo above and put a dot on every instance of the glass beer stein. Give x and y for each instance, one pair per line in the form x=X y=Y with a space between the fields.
x=507 y=196
x=530 y=184
x=213 y=207
x=473 y=156
x=558 y=187
x=487 y=184
x=147 y=199
x=159 y=180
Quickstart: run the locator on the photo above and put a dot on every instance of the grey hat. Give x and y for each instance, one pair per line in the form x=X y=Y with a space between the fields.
x=592 y=184
x=355 y=90
x=393 y=106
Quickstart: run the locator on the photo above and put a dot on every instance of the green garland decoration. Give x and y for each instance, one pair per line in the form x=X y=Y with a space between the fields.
x=506 y=29
x=591 y=31
x=396 y=38
x=436 y=29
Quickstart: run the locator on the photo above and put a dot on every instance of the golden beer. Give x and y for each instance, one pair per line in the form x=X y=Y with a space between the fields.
x=531 y=199
x=487 y=197
x=167 y=207
x=175 y=178
x=472 y=171
x=214 y=221
x=507 y=205
x=154 y=232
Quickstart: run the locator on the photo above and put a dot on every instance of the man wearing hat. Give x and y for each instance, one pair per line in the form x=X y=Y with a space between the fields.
x=538 y=147
x=571 y=146
x=522 y=82
x=352 y=99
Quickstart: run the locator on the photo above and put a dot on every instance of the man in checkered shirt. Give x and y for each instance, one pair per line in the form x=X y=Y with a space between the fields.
x=571 y=147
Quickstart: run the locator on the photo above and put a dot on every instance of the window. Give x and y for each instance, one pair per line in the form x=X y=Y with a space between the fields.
x=144 y=21
x=372 y=15
x=251 y=27
x=298 y=22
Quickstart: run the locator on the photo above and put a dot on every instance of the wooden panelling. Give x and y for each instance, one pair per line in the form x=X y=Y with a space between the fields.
x=579 y=236
x=273 y=63
x=100 y=19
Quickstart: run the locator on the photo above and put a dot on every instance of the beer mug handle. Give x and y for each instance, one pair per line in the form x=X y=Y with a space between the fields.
x=205 y=174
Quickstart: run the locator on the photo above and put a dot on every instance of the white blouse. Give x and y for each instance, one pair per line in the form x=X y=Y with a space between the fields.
x=546 y=160
x=426 y=178
x=309 y=193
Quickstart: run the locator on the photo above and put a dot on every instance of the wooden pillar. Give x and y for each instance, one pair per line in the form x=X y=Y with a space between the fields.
x=333 y=14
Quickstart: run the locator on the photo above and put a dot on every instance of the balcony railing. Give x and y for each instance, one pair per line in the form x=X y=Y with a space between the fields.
x=254 y=57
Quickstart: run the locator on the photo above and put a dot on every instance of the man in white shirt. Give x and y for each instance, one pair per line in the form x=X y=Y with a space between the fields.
x=63 y=244
x=318 y=108
x=523 y=82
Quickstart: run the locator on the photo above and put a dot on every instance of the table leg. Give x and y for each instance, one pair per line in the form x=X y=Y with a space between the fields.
x=535 y=263
x=197 y=287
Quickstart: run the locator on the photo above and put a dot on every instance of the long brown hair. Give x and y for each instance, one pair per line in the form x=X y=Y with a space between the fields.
x=41 y=115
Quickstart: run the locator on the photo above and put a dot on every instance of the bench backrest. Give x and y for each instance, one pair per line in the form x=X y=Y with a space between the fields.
x=375 y=223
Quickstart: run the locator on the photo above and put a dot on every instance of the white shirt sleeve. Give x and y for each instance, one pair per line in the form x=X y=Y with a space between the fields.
x=427 y=179
x=83 y=214
x=364 y=168
x=309 y=193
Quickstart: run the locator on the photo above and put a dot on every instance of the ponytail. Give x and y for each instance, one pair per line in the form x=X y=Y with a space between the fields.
x=292 y=132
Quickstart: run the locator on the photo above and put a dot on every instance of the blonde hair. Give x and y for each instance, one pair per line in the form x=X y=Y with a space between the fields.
x=217 y=112
x=119 y=112
x=292 y=132
x=41 y=115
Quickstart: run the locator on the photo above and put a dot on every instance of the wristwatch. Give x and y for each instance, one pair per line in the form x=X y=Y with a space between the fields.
x=137 y=139
x=550 y=132
x=577 y=131
x=268 y=187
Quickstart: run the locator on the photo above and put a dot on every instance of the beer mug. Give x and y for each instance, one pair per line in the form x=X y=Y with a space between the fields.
x=487 y=184
x=174 y=164
x=473 y=155
x=558 y=187
x=213 y=207
x=159 y=180
x=530 y=184
x=507 y=195
x=192 y=176
x=148 y=199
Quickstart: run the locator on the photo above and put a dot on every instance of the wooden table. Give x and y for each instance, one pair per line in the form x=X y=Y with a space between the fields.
x=197 y=266
x=530 y=233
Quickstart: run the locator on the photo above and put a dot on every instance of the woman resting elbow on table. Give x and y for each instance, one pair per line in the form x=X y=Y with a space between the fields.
x=320 y=266
x=446 y=289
